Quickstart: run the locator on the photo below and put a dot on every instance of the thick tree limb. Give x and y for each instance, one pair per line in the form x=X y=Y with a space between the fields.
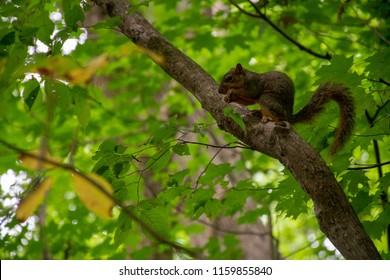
x=334 y=213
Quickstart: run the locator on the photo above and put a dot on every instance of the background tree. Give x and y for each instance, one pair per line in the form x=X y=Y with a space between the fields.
x=106 y=108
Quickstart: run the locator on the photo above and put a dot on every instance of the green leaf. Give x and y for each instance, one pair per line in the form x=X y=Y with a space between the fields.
x=195 y=204
x=73 y=14
x=379 y=65
x=361 y=201
x=82 y=107
x=339 y=65
x=108 y=23
x=234 y=200
x=252 y=216
x=164 y=132
x=120 y=189
x=124 y=226
x=104 y=164
x=215 y=173
x=138 y=5
x=231 y=240
x=120 y=149
x=229 y=112
x=106 y=148
x=57 y=94
x=213 y=208
x=378 y=227
x=31 y=90
x=144 y=253
x=341 y=161
x=120 y=168
x=177 y=178
x=339 y=71
x=181 y=149
x=157 y=219
x=41 y=27
x=8 y=39
x=159 y=160
x=292 y=200
x=355 y=182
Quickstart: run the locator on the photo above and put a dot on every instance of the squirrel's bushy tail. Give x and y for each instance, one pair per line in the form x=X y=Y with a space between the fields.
x=323 y=95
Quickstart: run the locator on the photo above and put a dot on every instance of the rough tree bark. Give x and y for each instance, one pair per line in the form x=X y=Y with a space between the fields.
x=334 y=213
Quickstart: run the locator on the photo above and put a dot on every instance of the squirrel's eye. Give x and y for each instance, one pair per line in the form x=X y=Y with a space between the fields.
x=228 y=78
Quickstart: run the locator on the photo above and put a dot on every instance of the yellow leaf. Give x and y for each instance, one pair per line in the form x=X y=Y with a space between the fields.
x=91 y=195
x=55 y=67
x=65 y=68
x=30 y=203
x=84 y=75
x=36 y=160
x=159 y=59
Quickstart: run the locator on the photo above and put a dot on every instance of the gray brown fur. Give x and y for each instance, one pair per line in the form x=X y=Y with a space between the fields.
x=274 y=91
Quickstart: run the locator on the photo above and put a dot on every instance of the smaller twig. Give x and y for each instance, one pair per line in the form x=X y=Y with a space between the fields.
x=371 y=135
x=274 y=26
x=244 y=11
x=254 y=189
x=220 y=148
x=207 y=166
x=238 y=232
x=371 y=121
x=380 y=35
x=380 y=81
x=146 y=168
x=227 y=146
x=384 y=82
x=303 y=248
x=369 y=166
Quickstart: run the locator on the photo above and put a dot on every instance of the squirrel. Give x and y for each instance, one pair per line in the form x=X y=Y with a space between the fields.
x=274 y=91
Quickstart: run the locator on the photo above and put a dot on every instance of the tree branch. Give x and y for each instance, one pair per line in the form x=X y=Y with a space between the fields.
x=262 y=16
x=384 y=82
x=335 y=215
x=369 y=166
x=238 y=232
x=381 y=80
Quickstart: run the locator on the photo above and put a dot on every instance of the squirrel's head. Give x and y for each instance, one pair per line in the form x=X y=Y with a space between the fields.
x=235 y=78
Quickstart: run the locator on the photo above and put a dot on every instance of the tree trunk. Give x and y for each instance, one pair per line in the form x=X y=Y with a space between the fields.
x=335 y=215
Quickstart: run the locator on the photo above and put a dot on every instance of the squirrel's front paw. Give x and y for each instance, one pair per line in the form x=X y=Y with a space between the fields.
x=227 y=98
x=265 y=119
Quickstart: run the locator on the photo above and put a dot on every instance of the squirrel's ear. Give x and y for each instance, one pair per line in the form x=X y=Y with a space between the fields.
x=239 y=69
